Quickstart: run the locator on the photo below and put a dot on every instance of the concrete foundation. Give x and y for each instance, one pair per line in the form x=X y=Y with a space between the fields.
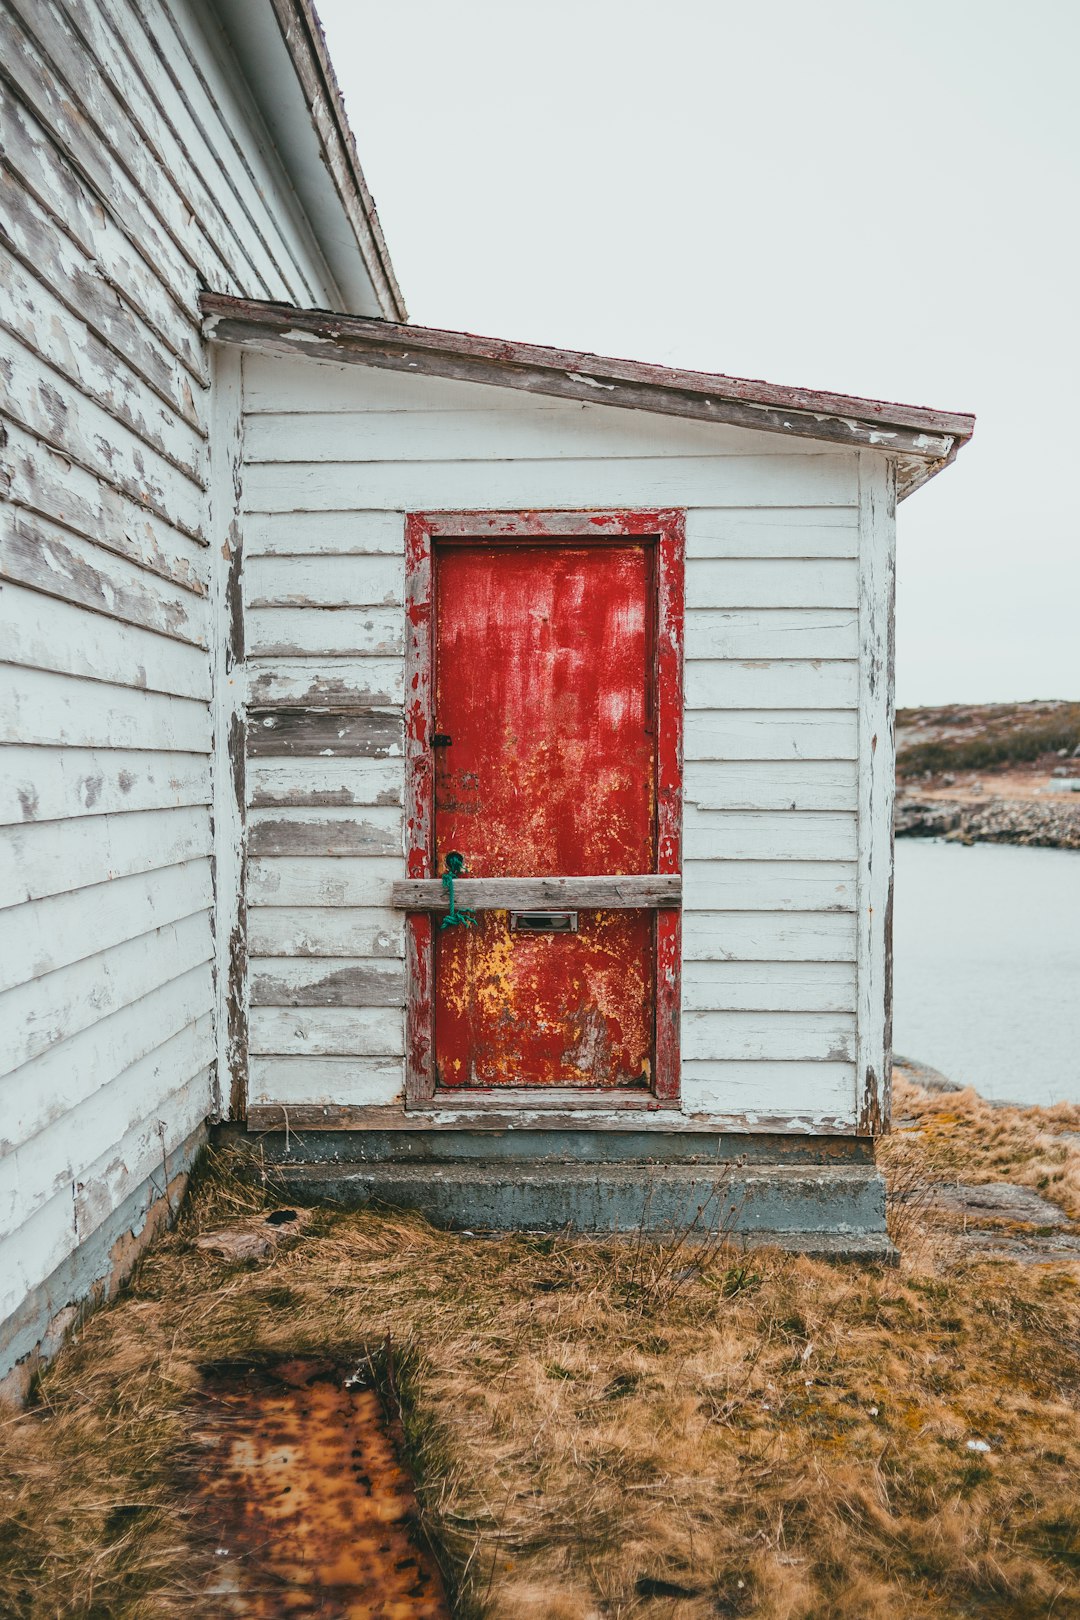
x=811 y=1195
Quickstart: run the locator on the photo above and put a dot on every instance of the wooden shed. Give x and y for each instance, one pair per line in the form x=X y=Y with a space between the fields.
x=563 y=857
x=295 y=606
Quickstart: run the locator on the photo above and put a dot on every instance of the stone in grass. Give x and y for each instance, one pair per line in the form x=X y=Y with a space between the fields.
x=256 y=1237
x=999 y=1201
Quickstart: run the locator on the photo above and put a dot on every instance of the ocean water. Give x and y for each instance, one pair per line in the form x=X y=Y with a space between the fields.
x=987 y=966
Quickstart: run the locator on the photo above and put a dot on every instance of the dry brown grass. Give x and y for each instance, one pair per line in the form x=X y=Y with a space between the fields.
x=773 y=1437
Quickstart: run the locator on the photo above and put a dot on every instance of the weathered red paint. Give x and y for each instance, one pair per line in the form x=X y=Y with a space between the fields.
x=548 y=646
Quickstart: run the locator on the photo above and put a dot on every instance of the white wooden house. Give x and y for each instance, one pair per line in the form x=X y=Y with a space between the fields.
x=295 y=604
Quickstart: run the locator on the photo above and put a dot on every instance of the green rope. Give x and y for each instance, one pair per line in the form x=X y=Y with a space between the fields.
x=455 y=865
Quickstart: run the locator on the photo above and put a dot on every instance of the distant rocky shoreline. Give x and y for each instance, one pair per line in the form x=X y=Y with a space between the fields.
x=994 y=773
x=991 y=821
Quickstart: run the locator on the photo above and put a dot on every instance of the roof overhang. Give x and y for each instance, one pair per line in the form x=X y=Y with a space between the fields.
x=922 y=440
x=281 y=52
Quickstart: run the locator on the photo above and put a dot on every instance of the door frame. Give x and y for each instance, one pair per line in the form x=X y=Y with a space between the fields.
x=422 y=529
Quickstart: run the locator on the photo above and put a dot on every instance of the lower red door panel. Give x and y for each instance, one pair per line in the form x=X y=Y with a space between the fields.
x=545 y=765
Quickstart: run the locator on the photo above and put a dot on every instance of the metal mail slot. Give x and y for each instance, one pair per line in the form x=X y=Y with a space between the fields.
x=543 y=922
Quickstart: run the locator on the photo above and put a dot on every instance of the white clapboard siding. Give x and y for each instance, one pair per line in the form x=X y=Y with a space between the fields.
x=47 y=1088
x=51 y=1161
x=38 y=706
x=357 y=932
x=44 y=935
x=327 y=1031
x=807 y=1096
x=805 y=784
x=323 y=534
x=775 y=684
x=762 y=532
x=337 y=582
x=313 y=782
x=768 y=936
x=137 y=169
x=60 y=231
x=780 y=734
x=553 y=429
x=325 y=632
x=373 y=830
x=83 y=360
x=778 y=835
x=359 y=683
x=55 y=857
x=334 y=486
x=48 y=1236
x=42 y=632
x=52 y=784
x=49 y=1009
x=48 y=485
x=300 y=981
x=721 y=885
x=772 y=582
x=307 y=881
x=766 y=633
x=41 y=554
x=221 y=108
x=29 y=394
x=768 y=987
x=55 y=256
x=744 y=1037
x=349 y=1082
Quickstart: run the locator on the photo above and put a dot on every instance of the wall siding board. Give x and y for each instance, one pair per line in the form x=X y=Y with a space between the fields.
x=60 y=503
x=336 y=1081
x=325 y=633
x=322 y=534
x=81 y=285
x=336 y=582
x=315 y=782
x=358 y=932
x=781 y=835
x=68 y=193
x=39 y=706
x=788 y=480
x=327 y=1031
x=45 y=632
x=48 y=934
x=767 y=633
x=810 y=1095
x=52 y=1160
x=52 y=1008
x=361 y=683
x=771 y=784
x=761 y=532
x=755 y=683
x=50 y=1086
x=54 y=784
x=768 y=936
x=46 y=1237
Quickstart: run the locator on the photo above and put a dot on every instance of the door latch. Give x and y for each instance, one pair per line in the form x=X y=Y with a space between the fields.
x=439 y=739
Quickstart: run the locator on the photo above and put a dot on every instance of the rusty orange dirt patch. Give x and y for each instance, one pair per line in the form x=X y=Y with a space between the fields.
x=311 y=1510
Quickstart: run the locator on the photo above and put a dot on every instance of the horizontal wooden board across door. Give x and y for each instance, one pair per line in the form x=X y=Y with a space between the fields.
x=646 y=892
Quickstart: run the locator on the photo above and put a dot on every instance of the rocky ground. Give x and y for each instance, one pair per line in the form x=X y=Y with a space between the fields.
x=997 y=773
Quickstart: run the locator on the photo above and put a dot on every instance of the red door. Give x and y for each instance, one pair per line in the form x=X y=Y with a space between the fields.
x=544 y=730
x=542 y=685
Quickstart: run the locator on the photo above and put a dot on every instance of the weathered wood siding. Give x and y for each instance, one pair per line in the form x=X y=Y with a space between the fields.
x=334 y=457
x=135 y=172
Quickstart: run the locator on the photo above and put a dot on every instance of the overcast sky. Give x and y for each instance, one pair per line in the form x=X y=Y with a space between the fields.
x=846 y=194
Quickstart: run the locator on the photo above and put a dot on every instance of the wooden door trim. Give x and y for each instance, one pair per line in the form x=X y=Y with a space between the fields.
x=422 y=529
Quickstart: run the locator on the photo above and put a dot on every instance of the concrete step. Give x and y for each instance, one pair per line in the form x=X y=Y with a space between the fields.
x=823 y=1209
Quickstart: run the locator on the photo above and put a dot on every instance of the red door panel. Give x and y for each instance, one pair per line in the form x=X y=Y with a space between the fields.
x=543 y=682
